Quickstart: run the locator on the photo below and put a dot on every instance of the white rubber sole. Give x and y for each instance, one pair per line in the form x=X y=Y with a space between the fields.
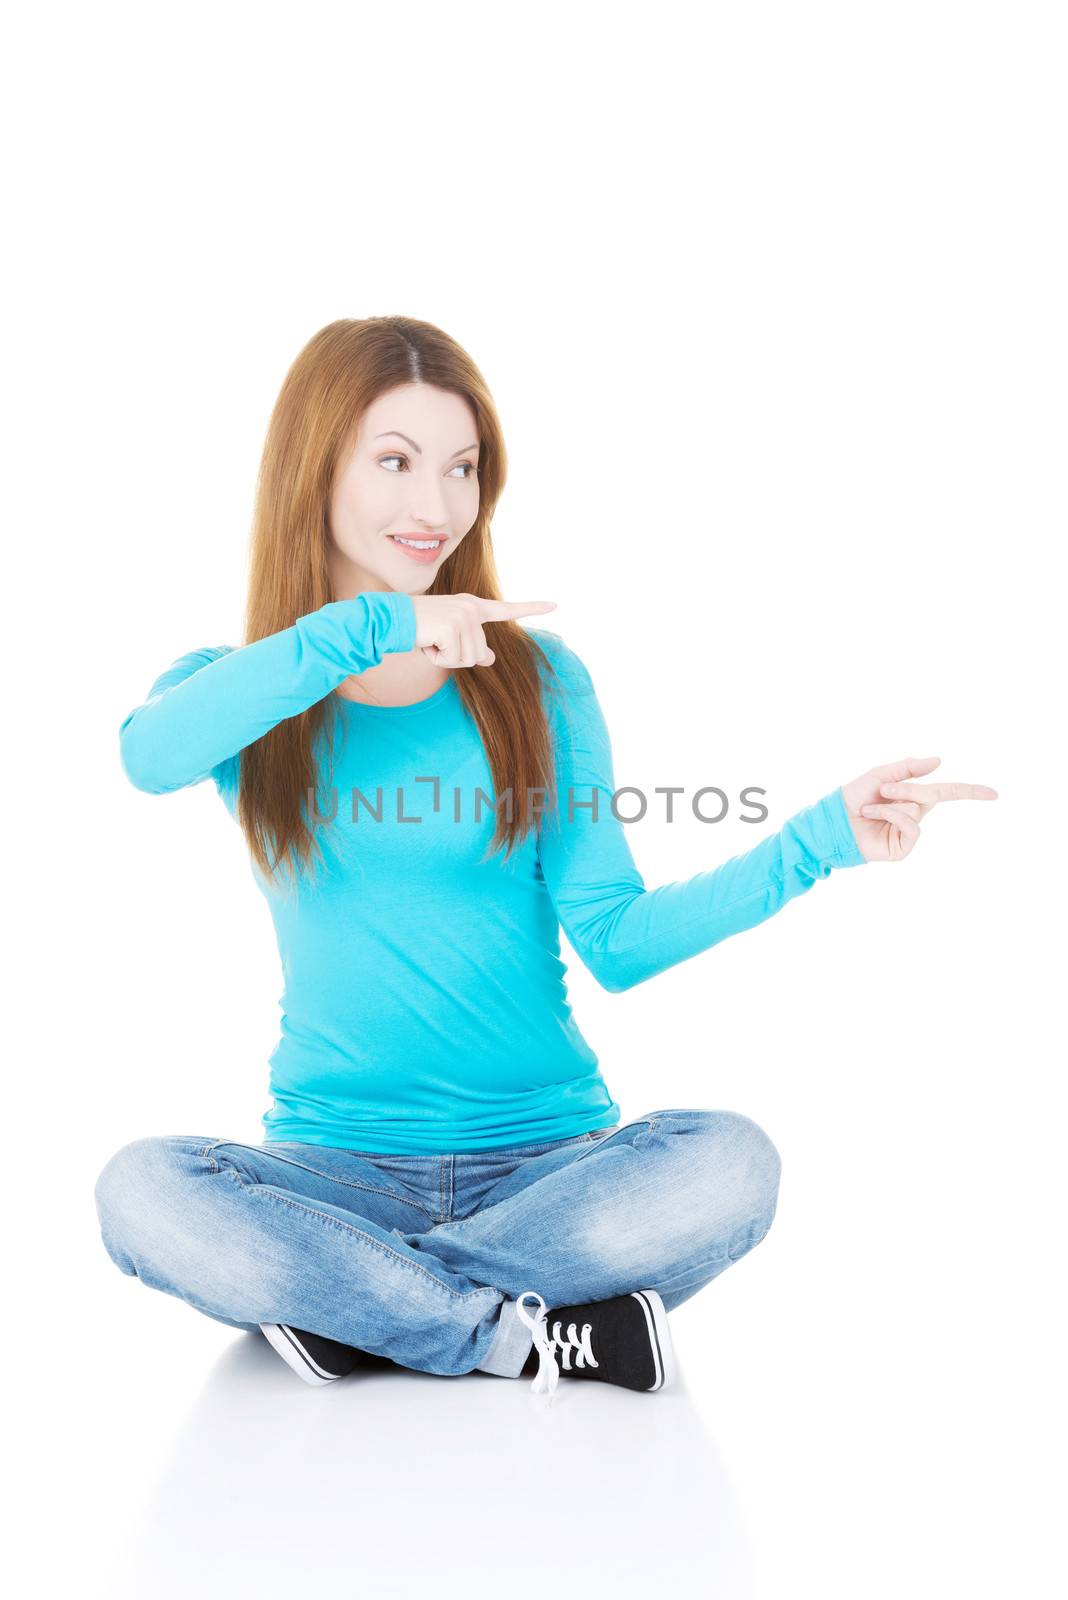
x=659 y=1336
x=294 y=1355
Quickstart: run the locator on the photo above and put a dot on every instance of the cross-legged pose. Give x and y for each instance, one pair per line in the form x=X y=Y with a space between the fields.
x=425 y=789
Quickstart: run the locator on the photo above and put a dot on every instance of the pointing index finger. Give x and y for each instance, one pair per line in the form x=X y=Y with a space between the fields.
x=929 y=793
x=505 y=610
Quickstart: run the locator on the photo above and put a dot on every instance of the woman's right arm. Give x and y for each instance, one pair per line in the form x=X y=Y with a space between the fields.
x=208 y=706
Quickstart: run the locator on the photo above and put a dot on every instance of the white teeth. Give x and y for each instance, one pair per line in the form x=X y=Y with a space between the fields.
x=418 y=544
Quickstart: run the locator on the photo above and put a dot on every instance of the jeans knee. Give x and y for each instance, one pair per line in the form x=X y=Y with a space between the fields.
x=765 y=1162
x=131 y=1186
x=122 y=1176
x=752 y=1159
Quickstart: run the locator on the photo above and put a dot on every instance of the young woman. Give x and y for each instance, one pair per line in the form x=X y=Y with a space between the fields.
x=424 y=786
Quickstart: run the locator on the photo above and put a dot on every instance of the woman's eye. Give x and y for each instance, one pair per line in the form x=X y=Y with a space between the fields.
x=471 y=471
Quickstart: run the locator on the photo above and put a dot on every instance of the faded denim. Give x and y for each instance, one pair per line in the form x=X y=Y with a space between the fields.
x=420 y=1258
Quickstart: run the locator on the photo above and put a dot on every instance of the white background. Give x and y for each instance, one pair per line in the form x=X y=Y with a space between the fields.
x=771 y=300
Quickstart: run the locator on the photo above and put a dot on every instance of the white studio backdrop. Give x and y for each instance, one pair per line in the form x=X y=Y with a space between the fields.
x=771 y=303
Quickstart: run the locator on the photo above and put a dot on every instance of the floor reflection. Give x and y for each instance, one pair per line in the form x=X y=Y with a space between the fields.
x=391 y=1477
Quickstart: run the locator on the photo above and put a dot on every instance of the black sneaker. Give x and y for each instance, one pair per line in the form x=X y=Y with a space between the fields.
x=624 y=1340
x=312 y=1357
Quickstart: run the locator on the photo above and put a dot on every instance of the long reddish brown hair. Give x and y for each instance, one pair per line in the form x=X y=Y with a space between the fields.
x=339 y=373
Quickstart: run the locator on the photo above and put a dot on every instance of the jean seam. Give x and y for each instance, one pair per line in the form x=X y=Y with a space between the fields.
x=261 y=1191
x=347 y=1183
x=445 y=1189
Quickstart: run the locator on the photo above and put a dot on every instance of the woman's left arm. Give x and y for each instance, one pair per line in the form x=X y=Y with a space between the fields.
x=626 y=933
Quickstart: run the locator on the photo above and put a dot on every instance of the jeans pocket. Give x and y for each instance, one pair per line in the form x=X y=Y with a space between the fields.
x=598 y=1136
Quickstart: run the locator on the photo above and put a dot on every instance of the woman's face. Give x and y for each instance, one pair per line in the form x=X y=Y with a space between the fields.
x=411 y=471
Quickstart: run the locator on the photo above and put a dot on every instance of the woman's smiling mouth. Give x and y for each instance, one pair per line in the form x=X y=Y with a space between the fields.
x=416 y=548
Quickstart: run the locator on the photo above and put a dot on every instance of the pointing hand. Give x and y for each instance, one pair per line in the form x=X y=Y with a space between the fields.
x=885 y=809
x=449 y=626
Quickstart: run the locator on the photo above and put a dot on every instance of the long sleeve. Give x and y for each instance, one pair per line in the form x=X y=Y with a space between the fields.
x=624 y=932
x=211 y=703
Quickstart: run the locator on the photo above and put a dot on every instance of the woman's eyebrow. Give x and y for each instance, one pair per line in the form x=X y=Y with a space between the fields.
x=416 y=448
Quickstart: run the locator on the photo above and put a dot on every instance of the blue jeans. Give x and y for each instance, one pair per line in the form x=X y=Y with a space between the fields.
x=421 y=1258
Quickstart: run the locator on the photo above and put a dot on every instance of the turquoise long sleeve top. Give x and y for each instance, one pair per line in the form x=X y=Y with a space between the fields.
x=425 y=1007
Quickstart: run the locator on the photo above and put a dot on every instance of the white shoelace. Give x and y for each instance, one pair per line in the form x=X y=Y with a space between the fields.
x=549 y=1343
